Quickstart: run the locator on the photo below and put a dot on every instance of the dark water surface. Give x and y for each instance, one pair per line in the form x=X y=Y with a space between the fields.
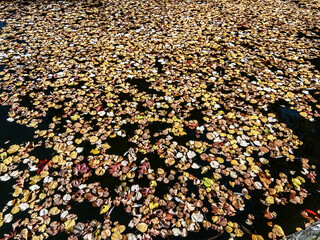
x=2 y=24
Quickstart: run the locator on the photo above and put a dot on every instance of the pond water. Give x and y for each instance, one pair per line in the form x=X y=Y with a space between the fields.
x=288 y=215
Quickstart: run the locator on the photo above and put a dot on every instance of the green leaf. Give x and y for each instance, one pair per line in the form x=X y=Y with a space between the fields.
x=208 y=182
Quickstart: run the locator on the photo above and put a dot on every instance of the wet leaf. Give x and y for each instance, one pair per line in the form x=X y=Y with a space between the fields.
x=153 y=205
x=69 y=224
x=104 y=209
x=142 y=227
x=13 y=148
x=278 y=230
x=207 y=182
x=256 y=237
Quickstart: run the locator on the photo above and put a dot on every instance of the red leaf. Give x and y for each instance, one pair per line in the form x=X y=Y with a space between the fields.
x=80 y=168
x=145 y=191
x=20 y=181
x=311 y=212
x=43 y=165
x=192 y=125
x=145 y=165
x=115 y=167
x=98 y=108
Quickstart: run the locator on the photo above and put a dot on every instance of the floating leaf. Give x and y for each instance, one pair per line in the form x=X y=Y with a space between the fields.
x=153 y=205
x=95 y=151
x=93 y=139
x=270 y=200
x=303 y=114
x=296 y=182
x=142 y=227
x=13 y=148
x=68 y=225
x=116 y=236
x=104 y=209
x=54 y=211
x=207 y=182
x=197 y=217
x=75 y=117
x=3 y=155
x=278 y=230
x=256 y=237
x=15 y=210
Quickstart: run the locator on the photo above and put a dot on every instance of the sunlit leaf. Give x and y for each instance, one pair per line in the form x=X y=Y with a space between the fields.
x=278 y=230
x=142 y=227
x=68 y=225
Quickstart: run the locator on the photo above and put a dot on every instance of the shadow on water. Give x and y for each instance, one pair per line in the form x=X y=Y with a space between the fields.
x=59 y=236
x=307 y=131
x=315 y=62
x=288 y=216
x=42 y=152
x=17 y=134
x=2 y=24
x=6 y=191
x=86 y=212
x=144 y=86
x=118 y=213
x=118 y=145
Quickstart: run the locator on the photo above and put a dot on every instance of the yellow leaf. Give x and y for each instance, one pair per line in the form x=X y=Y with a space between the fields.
x=255 y=132
x=270 y=200
x=56 y=159
x=278 y=230
x=271 y=137
x=55 y=119
x=303 y=114
x=15 y=210
x=290 y=94
x=142 y=227
x=229 y=229
x=33 y=124
x=54 y=211
x=153 y=184
x=3 y=155
x=238 y=232
x=296 y=182
x=207 y=182
x=220 y=160
x=75 y=117
x=105 y=233
x=215 y=218
x=255 y=168
x=257 y=237
x=153 y=205
x=93 y=139
x=278 y=188
x=78 y=140
x=42 y=228
x=42 y=196
x=17 y=192
x=116 y=236
x=73 y=154
x=13 y=149
x=69 y=224
x=3 y=167
x=121 y=228
x=95 y=151
x=104 y=209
